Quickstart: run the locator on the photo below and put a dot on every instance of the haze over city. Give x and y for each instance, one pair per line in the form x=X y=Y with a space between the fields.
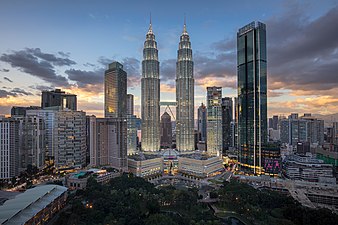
x=68 y=45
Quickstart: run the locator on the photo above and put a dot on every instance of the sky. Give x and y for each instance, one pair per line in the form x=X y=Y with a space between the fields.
x=69 y=44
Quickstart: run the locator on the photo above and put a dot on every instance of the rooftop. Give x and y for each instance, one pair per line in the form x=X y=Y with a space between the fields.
x=26 y=205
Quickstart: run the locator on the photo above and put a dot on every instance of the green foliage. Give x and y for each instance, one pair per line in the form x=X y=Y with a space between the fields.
x=129 y=200
x=270 y=207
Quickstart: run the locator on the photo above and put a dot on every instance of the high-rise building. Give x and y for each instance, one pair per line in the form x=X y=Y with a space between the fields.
x=58 y=98
x=48 y=117
x=9 y=148
x=150 y=94
x=131 y=126
x=115 y=91
x=214 y=120
x=335 y=133
x=275 y=122
x=227 y=129
x=303 y=129
x=185 y=94
x=21 y=111
x=131 y=134
x=70 y=138
x=202 y=122
x=130 y=104
x=91 y=131
x=252 y=95
x=65 y=135
x=32 y=141
x=109 y=145
x=166 y=131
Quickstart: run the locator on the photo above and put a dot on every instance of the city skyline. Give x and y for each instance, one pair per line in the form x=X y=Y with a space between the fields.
x=44 y=51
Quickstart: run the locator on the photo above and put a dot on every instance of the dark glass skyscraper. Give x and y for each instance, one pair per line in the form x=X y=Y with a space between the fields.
x=115 y=91
x=227 y=131
x=185 y=95
x=252 y=89
x=202 y=122
x=214 y=120
x=150 y=94
x=166 y=131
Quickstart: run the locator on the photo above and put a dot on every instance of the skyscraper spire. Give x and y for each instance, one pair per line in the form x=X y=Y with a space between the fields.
x=185 y=26
x=185 y=94
x=150 y=31
x=150 y=94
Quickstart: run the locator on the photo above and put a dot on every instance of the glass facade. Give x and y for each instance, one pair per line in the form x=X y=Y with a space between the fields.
x=202 y=122
x=150 y=95
x=252 y=94
x=227 y=130
x=115 y=91
x=185 y=95
x=214 y=120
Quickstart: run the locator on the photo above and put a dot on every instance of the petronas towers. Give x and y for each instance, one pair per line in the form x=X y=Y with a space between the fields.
x=150 y=94
x=185 y=95
x=150 y=88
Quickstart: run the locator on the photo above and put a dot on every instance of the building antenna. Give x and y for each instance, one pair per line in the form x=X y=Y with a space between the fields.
x=150 y=17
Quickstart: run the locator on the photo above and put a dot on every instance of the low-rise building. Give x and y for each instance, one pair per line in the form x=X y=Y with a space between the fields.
x=145 y=165
x=200 y=165
x=306 y=168
x=78 y=181
x=35 y=206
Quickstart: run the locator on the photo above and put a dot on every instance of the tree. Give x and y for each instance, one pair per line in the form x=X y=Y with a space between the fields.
x=159 y=219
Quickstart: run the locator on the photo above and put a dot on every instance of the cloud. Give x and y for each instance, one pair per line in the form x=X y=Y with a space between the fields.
x=303 y=53
x=21 y=91
x=57 y=61
x=9 y=80
x=5 y=94
x=167 y=88
x=42 y=87
x=14 y=93
x=168 y=71
x=133 y=69
x=84 y=78
x=38 y=64
x=89 y=65
x=92 y=80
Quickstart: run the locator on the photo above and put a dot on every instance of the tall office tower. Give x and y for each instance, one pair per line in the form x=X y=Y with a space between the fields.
x=32 y=141
x=303 y=129
x=166 y=131
x=185 y=94
x=131 y=134
x=214 y=120
x=150 y=94
x=131 y=126
x=227 y=130
x=275 y=122
x=91 y=141
x=270 y=121
x=235 y=123
x=48 y=117
x=252 y=98
x=58 y=98
x=130 y=104
x=109 y=145
x=334 y=133
x=202 y=122
x=9 y=148
x=115 y=91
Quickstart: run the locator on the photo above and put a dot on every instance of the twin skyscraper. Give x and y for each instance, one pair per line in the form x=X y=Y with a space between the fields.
x=150 y=92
